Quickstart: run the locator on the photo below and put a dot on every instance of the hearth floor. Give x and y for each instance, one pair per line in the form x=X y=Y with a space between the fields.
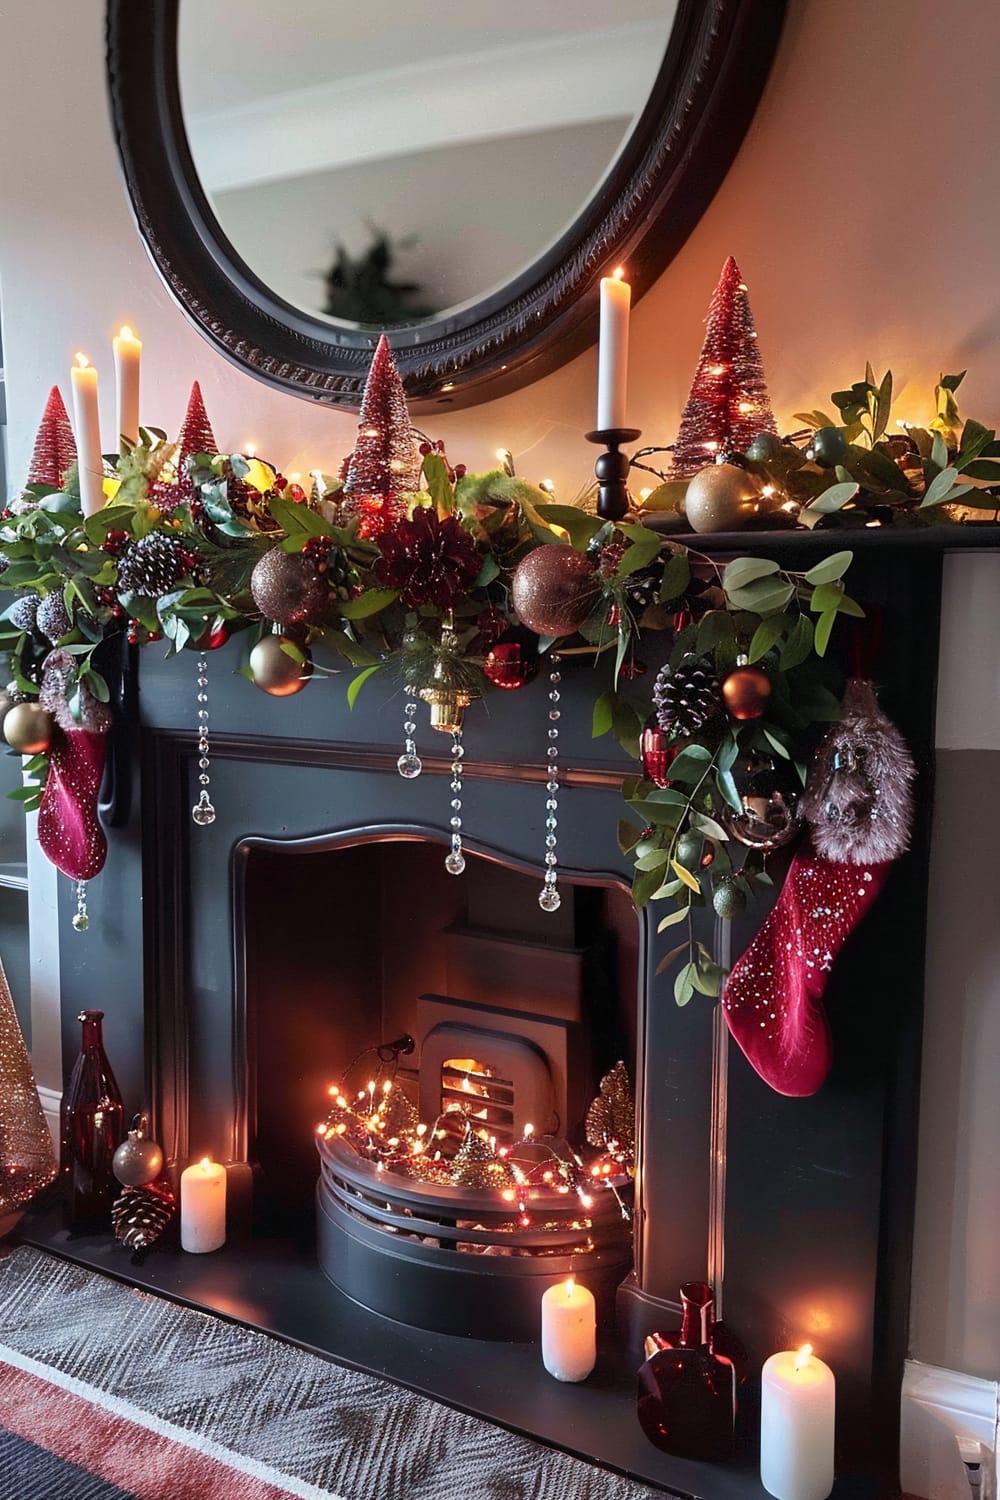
x=275 y=1285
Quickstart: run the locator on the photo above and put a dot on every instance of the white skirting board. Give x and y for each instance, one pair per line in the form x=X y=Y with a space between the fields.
x=937 y=1407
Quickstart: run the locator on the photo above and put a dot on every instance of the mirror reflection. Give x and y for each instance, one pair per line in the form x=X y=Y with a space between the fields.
x=383 y=165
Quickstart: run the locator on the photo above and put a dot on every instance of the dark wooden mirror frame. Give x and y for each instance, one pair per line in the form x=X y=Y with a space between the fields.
x=716 y=64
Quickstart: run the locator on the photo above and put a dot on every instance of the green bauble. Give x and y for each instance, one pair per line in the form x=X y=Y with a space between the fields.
x=722 y=498
x=690 y=847
x=728 y=900
x=827 y=447
x=765 y=446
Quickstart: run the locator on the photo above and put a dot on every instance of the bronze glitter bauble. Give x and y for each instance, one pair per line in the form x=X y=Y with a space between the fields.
x=746 y=691
x=766 y=822
x=288 y=589
x=554 y=589
x=28 y=728
x=138 y=1160
x=722 y=498
x=274 y=671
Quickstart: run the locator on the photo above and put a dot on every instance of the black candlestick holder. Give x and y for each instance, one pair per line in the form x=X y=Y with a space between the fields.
x=612 y=469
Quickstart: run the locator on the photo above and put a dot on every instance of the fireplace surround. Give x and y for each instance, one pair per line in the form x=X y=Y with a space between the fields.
x=798 y=1210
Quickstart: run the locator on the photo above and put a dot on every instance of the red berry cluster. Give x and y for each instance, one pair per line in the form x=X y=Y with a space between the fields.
x=455 y=471
x=318 y=548
x=137 y=633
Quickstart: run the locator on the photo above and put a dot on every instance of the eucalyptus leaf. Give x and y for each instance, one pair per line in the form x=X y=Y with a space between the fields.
x=944 y=488
x=744 y=570
x=704 y=824
x=603 y=715
x=671 y=920
x=579 y=525
x=798 y=644
x=830 y=569
x=834 y=499
x=684 y=984
x=727 y=786
x=667 y=496
x=763 y=596
x=676 y=577
x=297 y=519
x=641 y=553
x=767 y=634
x=368 y=603
x=668 y=958
x=357 y=683
x=939 y=453
x=629 y=835
x=655 y=860
x=824 y=625
x=685 y=877
x=826 y=596
x=777 y=745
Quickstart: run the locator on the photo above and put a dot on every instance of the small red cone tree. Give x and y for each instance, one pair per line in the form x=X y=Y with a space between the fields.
x=196 y=435
x=728 y=405
x=386 y=462
x=55 y=446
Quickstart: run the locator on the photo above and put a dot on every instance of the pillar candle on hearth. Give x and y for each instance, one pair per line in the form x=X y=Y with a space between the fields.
x=203 y=1207
x=612 y=352
x=128 y=353
x=87 y=431
x=797 y=1413
x=569 y=1331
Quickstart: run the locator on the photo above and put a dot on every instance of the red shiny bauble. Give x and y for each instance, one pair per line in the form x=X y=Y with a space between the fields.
x=554 y=589
x=746 y=691
x=211 y=640
x=657 y=754
x=511 y=663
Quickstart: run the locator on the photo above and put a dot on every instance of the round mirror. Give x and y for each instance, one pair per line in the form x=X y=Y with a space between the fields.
x=458 y=175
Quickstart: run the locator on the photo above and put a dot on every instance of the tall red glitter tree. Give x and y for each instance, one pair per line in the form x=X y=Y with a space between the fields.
x=385 y=464
x=196 y=435
x=55 y=446
x=728 y=404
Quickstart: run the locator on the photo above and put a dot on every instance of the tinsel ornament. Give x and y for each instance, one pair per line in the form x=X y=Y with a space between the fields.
x=610 y=1123
x=722 y=497
x=280 y=666
x=429 y=559
x=477 y=1165
x=728 y=405
x=385 y=464
x=746 y=692
x=27 y=1162
x=858 y=799
x=290 y=588
x=139 y=1215
x=54 y=452
x=138 y=1159
x=513 y=661
x=687 y=697
x=554 y=589
x=27 y=728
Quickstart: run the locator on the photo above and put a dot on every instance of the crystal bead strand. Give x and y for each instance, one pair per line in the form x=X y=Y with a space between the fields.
x=409 y=763
x=81 y=921
x=549 y=898
x=455 y=862
x=203 y=812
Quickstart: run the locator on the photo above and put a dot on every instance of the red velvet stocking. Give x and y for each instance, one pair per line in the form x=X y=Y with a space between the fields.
x=68 y=828
x=772 y=1000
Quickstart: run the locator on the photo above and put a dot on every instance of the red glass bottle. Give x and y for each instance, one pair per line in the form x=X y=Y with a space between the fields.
x=92 y=1127
x=687 y=1388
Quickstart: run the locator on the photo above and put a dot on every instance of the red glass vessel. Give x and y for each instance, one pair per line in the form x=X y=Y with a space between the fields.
x=687 y=1388
x=92 y=1127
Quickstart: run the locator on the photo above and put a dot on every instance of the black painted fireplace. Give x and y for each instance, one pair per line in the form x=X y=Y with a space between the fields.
x=244 y=966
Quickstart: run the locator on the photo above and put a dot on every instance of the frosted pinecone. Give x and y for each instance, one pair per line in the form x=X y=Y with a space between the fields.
x=53 y=618
x=687 y=697
x=24 y=612
x=152 y=566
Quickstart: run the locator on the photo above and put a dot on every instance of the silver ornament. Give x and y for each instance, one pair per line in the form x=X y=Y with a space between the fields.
x=138 y=1160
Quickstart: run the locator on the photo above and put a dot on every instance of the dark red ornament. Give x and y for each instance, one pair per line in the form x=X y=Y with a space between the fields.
x=55 y=446
x=554 y=589
x=728 y=405
x=211 y=640
x=429 y=560
x=657 y=754
x=746 y=692
x=512 y=662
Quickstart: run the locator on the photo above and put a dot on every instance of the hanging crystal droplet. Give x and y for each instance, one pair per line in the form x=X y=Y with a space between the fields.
x=409 y=765
x=81 y=921
x=203 y=812
x=549 y=898
x=455 y=862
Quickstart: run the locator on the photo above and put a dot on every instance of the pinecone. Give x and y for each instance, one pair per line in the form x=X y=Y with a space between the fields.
x=688 y=697
x=53 y=619
x=152 y=566
x=24 y=612
x=139 y=1215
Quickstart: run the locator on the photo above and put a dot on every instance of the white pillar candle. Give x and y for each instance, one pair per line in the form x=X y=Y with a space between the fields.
x=203 y=1207
x=87 y=430
x=128 y=352
x=797 y=1406
x=612 y=359
x=569 y=1331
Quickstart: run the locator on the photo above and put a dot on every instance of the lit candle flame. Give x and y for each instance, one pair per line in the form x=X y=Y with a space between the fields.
x=618 y=273
x=82 y=360
x=205 y=1163
x=125 y=332
x=570 y=1286
x=803 y=1357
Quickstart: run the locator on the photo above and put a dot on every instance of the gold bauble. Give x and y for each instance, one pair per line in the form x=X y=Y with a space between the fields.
x=28 y=728
x=274 y=671
x=554 y=589
x=722 y=498
x=746 y=691
x=447 y=705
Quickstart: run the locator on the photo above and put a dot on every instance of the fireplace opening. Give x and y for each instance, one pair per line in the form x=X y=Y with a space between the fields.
x=515 y=1016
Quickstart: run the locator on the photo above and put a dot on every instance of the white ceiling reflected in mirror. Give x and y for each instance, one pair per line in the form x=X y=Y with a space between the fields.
x=379 y=165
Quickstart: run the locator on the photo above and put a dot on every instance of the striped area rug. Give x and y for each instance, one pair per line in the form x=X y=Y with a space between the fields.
x=107 y=1393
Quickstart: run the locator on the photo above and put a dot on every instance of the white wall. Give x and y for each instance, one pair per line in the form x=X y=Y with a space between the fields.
x=864 y=211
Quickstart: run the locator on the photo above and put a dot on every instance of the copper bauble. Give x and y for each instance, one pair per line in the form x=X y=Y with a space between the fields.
x=746 y=691
x=554 y=589
x=138 y=1160
x=288 y=588
x=28 y=728
x=722 y=498
x=766 y=822
x=274 y=671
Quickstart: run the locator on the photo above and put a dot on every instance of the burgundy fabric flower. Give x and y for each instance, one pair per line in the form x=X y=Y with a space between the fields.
x=429 y=561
